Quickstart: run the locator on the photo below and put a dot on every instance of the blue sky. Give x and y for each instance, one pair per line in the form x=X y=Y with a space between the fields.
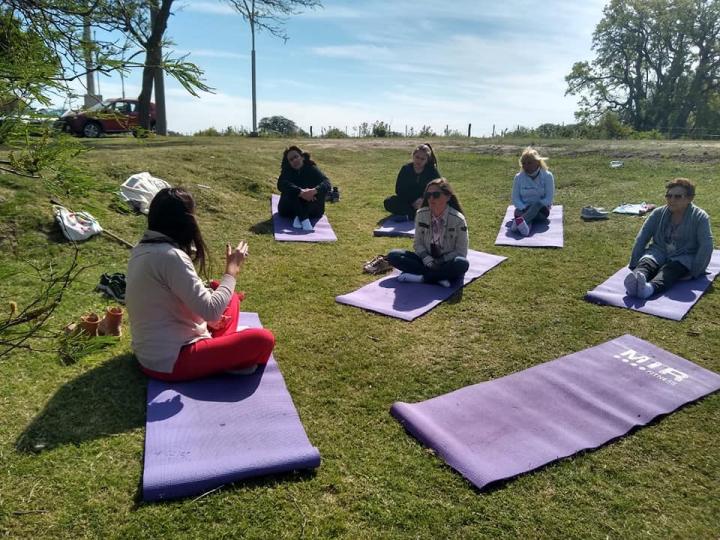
x=404 y=62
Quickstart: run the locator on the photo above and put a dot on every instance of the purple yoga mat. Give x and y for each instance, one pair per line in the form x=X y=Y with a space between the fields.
x=408 y=301
x=672 y=304
x=284 y=231
x=548 y=234
x=501 y=428
x=203 y=434
x=390 y=227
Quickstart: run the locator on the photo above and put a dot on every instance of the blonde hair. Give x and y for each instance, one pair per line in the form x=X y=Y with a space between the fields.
x=531 y=154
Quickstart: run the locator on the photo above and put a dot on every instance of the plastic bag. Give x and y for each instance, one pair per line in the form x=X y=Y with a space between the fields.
x=140 y=189
x=76 y=226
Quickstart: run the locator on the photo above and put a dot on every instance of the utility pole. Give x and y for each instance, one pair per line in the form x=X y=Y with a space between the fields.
x=254 y=132
x=90 y=98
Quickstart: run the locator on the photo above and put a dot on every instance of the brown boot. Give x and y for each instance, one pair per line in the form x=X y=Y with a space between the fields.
x=89 y=324
x=111 y=325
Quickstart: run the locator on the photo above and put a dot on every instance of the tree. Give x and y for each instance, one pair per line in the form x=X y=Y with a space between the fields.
x=657 y=63
x=279 y=125
x=268 y=15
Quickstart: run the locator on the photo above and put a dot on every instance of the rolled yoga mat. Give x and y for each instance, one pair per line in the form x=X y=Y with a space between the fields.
x=673 y=304
x=390 y=227
x=285 y=232
x=203 y=434
x=408 y=301
x=547 y=234
x=501 y=428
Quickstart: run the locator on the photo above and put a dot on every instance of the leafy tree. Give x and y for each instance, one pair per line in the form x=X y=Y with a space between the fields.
x=279 y=125
x=380 y=129
x=657 y=63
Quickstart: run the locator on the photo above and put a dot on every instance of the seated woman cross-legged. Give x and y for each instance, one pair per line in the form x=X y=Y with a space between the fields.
x=303 y=188
x=411 y=182
x=181 y=330
x=441 y=240
x=532 y=192
x=681 y=243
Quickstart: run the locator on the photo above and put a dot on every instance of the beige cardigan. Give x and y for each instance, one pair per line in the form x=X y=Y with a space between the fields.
x=167 y=302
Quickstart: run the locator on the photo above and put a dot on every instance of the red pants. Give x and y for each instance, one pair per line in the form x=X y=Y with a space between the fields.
x=226 y=350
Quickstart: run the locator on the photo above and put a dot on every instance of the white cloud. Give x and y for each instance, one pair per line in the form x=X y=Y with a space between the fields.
x=363 y=52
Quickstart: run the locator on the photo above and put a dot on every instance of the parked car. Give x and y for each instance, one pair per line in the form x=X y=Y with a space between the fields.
x=108 y=116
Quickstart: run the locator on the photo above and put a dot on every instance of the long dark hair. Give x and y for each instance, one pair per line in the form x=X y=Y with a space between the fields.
x=447 y=189
x=429 y=152
x=285 y=164
x=172 y=213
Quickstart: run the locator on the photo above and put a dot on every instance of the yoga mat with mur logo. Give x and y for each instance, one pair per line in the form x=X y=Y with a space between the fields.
x=505 y=427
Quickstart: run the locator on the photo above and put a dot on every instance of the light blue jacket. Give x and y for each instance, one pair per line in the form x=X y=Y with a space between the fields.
x=694 y=247
x=527 y=191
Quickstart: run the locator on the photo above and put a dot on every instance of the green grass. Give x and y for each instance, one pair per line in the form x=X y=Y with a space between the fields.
x=71 y=436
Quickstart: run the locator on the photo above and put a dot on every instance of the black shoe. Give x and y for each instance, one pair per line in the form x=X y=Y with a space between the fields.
x=113 y=286
x=334 y=195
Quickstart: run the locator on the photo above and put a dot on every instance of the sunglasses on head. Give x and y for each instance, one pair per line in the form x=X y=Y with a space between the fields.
x=433 y=194
x=674 y=195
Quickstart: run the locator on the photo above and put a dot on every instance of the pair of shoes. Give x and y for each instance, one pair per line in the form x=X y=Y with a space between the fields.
x=333 y=196
x=521 y=226
x=377 y=265
x=407 y=277
x=113 y=286
x=91 y=325
x=589 y=213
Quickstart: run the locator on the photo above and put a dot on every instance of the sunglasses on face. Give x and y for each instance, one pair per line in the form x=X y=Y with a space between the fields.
x=675 y=196
x=433 y=194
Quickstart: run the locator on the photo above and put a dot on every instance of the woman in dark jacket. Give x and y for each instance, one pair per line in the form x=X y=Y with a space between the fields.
x=303 y=188
x=411 y=182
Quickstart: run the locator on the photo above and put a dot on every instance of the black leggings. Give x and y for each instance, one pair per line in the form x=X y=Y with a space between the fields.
x=291 y=206
x=662 y=277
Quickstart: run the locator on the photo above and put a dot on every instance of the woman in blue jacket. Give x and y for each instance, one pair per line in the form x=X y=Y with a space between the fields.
x=681 y=243
x=532 y=192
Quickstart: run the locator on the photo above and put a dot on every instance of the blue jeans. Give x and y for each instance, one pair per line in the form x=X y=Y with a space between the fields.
x=408 y=261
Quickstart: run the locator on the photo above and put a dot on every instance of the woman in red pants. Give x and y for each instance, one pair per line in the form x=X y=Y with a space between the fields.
x=181 y=330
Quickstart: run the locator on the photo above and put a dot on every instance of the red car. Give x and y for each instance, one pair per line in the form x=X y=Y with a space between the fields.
x=109 y=116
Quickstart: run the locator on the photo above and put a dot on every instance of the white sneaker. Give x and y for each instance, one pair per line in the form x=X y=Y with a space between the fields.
x=631 y=282
x=306 y=225
x=644 y=289
x=296 y=223
x=444 y=283
x=407 y=277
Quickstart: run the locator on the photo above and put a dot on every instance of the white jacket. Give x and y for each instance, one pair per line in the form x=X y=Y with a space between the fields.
x=167 y=302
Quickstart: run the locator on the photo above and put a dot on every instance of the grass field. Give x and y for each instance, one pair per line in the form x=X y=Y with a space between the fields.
x=71 y=436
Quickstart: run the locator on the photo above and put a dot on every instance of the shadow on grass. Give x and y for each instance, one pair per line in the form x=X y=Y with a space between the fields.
x=106 y=400
x=263 y=227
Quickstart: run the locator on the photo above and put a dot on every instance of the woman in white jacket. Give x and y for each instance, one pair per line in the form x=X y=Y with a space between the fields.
x=181 y=329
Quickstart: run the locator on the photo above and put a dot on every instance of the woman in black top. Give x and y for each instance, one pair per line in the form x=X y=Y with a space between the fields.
x=411 y=182
x=303 y=188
